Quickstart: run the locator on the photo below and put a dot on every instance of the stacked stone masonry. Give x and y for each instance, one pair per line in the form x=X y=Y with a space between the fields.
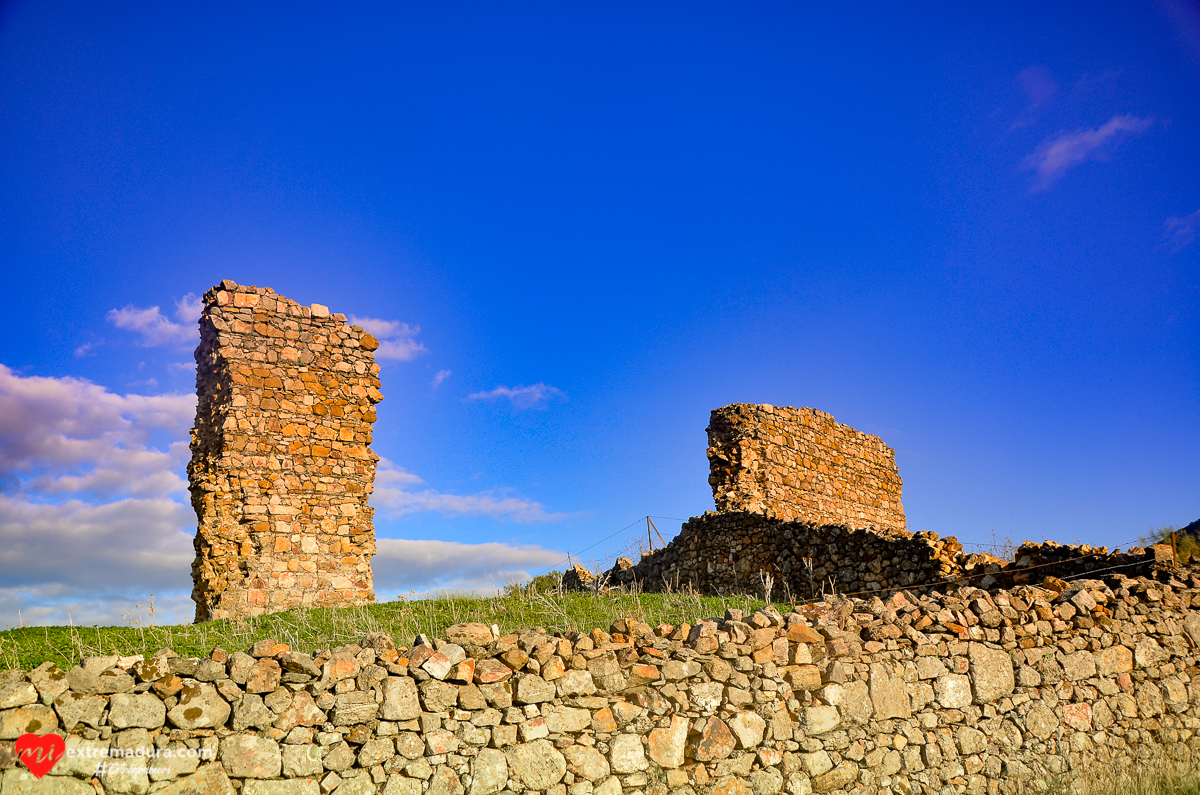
x=964 y=692
x=281 y=465
x=798 y=463
x=727 y=553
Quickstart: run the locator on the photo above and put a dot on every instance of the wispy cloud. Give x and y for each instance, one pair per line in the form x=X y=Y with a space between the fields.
x=1179 y=233
x=441 y=376
x=522 y=397
x=395 y=338
x=1059 y=153
x=154 y=327
x=402 y=565
x=399 y=492
x=1039 y=87
x=188 y=309
x=93 y=511
x=1038 y=84
x=1184 y=17
x=94 y=515
x=70 y=436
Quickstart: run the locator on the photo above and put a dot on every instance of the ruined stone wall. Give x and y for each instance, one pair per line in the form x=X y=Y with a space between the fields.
x=808 y=507
x=798 y=463
x=973 y=692
x=727 y=553
x=281 y=466
x=736 y=552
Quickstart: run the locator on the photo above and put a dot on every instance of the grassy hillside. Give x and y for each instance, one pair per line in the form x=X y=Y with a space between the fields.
x=308 y=630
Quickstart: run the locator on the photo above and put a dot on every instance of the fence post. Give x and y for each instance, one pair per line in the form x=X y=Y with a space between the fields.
x=661 y=540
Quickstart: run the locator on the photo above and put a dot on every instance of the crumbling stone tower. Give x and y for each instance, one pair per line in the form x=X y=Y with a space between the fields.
x=799 y=464
x=281 y=465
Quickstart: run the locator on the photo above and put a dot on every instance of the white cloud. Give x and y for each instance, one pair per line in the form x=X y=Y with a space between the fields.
x=402 y=350
x=153 y=325
x=86 y=548
x=94 y=514
x=1179 y=233
x=384 y=329
x=395 y=338
x=188 y=309
x=395 y=493
x=441 y=376
x=93 y=511
x=70 y=436
x=522 y=397
x=401 y=566
x=1059 y=153
x=57 y=605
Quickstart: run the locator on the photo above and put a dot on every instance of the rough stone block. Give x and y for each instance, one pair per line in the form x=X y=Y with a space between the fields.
x=538 y=765
x=250 y=756
x=953 y=691
x=991 y=674
x=888 y=694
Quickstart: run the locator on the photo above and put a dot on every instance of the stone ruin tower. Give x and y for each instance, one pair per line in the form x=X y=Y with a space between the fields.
x=799 y=464
x=281 y=463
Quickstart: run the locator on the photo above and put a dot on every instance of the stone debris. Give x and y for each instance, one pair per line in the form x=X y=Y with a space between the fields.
x=281 y=465
x=1065 y=681
x=578 y=578
x=727 y=553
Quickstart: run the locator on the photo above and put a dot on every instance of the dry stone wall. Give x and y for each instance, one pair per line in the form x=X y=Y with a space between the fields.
x=798 y=463
x=970 y=692
x=281 y=465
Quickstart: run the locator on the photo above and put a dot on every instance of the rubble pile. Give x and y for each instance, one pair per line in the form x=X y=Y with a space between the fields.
x=726 y=553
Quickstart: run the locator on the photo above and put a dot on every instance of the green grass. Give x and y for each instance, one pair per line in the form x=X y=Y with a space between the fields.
x=1157 y=777
x=310 y=630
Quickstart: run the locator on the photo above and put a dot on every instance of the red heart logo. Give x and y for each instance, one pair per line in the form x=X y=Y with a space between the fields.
x=40 y=753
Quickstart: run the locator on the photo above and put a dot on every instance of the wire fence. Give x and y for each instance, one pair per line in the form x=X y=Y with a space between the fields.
x=632 y=547
x=637 y=544
x=980 y=575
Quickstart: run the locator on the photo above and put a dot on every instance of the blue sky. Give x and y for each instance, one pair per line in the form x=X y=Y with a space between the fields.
x=971 y=231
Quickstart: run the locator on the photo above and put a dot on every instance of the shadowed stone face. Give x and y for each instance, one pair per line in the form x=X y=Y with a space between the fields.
x=797 y=463
x=281 y=465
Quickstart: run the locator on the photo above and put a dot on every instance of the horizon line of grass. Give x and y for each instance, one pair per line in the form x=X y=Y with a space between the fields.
x=311 y=629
